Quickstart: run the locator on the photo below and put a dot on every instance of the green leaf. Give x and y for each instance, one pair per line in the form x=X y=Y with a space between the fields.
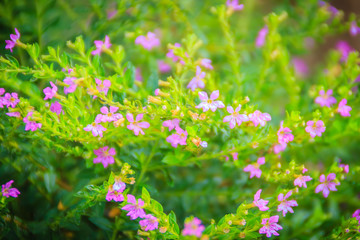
x=152 y=82
x=130 y=74
x=49 y=179
x=145 y=196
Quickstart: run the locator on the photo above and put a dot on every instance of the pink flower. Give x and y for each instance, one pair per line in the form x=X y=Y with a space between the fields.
x=278 y=148
x=207 y=103
x=301 y=181
x=101 y=46
x=171 y=124
x=234 y=117
x=96 y=129
x=138 y=76
x=149 y=41
x=270 y=226
x=10 y=44
x=345 y=49
x=261 y=37
x=102 y=86
x=300 y=66
x=13 y=114
x=72 y=85
x=50 y=92
x=56 y=107
x=136 y=125
x=104 y=156
x=149 y=222
x=327 y=184
x=135 y=209
x=11 y=100
x=163 y=66
x=108 y=116
x=285 y=206
x=31 y=125
x=345 y=167
x=284 y=134
x=9 y=192
x=177 y=138
x=234 y=5
x=258 y=117
x=260 y=203
x=315 y=129
x=254 y=169
x=193 y=228
x=67 y=70
x=197 y=81
x=343 y=109
x=115 y=190
x=172 y=55
x=356 y=215
x=354 y=29
x=325 y=99
x=206 y=63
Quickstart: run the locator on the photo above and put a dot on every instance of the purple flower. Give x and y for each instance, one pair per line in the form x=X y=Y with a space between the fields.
x=138 y=76
x=11 y=100
x=258 y=117
x=56 y=107
x=234 y=5
x=135 y=209
x=234 y=117
x=284 y=134
x=96 y=129
x=172 y=55
x=31 y=125
x=115 y=191
x=13 y=114
x=327 y=184
x=356 y=215
x=354 y=29
x=261 y=37
x=9 y=192
x=149 y=222
x=102 y=86
x=50 y=92
x=300 y=66
x=72 y=84
x=285 y=206
x=207 y=103
x=345 y=49
x=333 y=10
x=171 y=124
x=325 y=99
x=206 y=63
x=136 y=125
x=301 y=181
x=104 y=156
x=101 y=46
x=345 y=167
x=343 y=109
x=279 y=148
x=163 y=66
x=108 y=116
x=254 y=169
x=149 y=41
x=10 y=44
x=260 y=203
x=197 y=81
x=177 y=138
x=315 y=128
x=270 y=226
x=193 y=227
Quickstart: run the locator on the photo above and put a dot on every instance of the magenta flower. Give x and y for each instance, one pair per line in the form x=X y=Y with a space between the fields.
x=67 y=70
x=327 y=184
x=108 y=114
x=333 y=10
x=356 y=215
x=300 y=66
x=11 y=100
x=325 y=99
x=101 y=46
x=163 y=66
x=102 y=86
x=115 y=191
x=206 y=63
x=2 y=99
x=193 y=228
x=9 y=192
x=72 y=84
x=13 y=114
x=234 y=5
x=284 y=134
x=177 y=138
x=136 y=125
x=270 y=226
x=207 y=103
x=234 y=117
x=96 y=129
x=254 y=169
x=149 y=41
x=10 y=44
x=344 y=109
x=197 y=81
x=104 y=156
x=260 y=203
x=345 y=167
x=261 y=37
x=171 y=124
x=172 y=55
x=278 y=148
x=258 y=117
x=56 y=107
x=345 y=49
x=135 y=209
x=285 y=206
x=31 y=125
x=138 y=76
x=149 y=222
x=301 y=181
x=354 y=29
x=50 y=92
x=315 y=128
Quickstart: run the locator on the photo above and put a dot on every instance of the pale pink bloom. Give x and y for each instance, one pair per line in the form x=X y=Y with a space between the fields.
x=56 y=107
x=9 y=192
x=67 y=70
x=260 y=203
x=278 y=148
x=172 y=55
x=197 y=81
x=204 y=144
x=234 y=117
x=149 y=223
x=115 y=191
x=13 y=114
x=284 y=134
x=163 y=66
x=11 y=100
x=327 y=184
x=2 y=99
x=207 y=103
x=138 y=76
x=301 y=181
x=96 y=129
x=325 y=99
x=315 y=128
x=345 y=49
x=171 y=124
x=304 y=170
x=234 y=156
x=108 y=114
x=31 y=125
x=286 y=206
x=134 y=208
x=105 y=156
x=136 y=125
x=300 y=66
x=193 y=228
x=72 y=84
x=234 y=5
x=258 y=117
x=354 y=29
x=177 y=138
x=344 y=109
x=10 y=44
x=254 y=169
x=101 y=46
x=102 y=86
x=345 y=167
x=206 y=63
x=149 y=41
x=270 y=226
x=261 y=37
x=50 y=92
